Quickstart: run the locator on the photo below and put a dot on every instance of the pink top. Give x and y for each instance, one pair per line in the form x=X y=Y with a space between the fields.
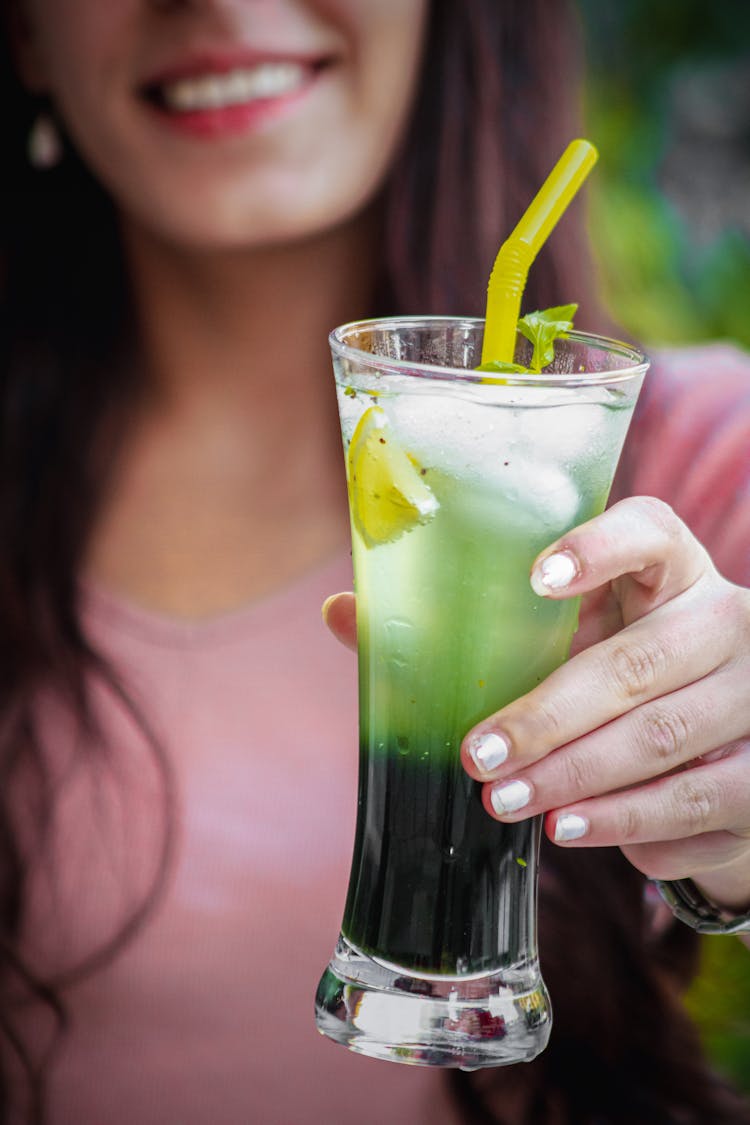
x=206 y=1016
x=690 y=445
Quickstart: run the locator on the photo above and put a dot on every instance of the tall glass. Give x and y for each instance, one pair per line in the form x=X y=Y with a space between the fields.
x=436 y=963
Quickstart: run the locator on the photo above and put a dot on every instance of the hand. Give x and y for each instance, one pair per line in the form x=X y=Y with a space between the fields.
x=643 y=738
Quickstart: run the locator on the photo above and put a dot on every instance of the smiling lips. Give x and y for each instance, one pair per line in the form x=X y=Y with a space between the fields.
x=219 y=102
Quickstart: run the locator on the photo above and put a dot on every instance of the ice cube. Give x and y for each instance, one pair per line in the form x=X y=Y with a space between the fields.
x=444 y=431
x=525 y=495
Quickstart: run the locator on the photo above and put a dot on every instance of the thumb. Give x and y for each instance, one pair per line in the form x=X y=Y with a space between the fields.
x=339 y=614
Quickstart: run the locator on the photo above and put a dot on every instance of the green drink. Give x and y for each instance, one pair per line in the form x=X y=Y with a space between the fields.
x=456 y=483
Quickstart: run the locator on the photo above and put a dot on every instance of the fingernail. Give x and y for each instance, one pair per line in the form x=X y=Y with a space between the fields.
x=510 y=797
x=570 y=826
x=553 y=573
x=488 y=751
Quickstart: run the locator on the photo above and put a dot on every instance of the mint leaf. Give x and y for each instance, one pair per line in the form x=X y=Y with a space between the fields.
x=543 y=328
x=499 y=366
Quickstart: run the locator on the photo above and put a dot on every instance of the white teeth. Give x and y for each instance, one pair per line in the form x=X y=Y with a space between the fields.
x=246 y=84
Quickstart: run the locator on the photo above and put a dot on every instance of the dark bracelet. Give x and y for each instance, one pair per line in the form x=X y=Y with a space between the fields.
x=693 y=908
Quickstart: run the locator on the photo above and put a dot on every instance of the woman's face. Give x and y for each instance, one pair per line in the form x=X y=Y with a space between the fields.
x=227 y=123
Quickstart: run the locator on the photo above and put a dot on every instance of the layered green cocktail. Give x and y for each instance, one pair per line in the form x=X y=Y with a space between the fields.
x=457 y=481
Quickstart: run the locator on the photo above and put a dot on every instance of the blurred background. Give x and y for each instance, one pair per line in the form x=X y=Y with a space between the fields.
x=667 y=102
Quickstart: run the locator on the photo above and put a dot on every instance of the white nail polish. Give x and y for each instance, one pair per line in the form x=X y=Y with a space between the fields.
x=570 y=826
x=510 y=797
x=488 y=751
x=553 y=573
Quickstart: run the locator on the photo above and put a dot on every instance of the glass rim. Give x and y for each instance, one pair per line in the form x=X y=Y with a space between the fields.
x=635 y=362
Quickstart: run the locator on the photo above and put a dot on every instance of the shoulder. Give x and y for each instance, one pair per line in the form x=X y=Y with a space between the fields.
x=700 y=382
x=690 y=396
x=690 y=445
x=722 y=356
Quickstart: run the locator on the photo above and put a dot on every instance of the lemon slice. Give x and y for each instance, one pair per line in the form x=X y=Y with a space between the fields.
x=387 y=492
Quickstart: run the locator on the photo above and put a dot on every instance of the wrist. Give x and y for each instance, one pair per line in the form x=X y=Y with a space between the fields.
x=728 y=886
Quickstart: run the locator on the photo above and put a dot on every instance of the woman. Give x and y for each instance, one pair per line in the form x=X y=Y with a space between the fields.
x=236 y=178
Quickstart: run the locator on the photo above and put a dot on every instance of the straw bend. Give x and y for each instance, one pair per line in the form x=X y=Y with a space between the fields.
x=508 y=277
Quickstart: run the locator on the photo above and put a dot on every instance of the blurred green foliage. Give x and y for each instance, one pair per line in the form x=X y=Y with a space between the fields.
x=720 y=1002
x=668 y=105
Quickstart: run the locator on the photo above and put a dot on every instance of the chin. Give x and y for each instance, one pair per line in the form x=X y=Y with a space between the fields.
x=240 y=221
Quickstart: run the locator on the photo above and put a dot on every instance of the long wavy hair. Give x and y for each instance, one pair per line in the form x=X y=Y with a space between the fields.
x=493 y=109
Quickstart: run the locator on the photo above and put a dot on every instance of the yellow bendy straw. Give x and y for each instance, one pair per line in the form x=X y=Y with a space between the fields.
x=508 y=277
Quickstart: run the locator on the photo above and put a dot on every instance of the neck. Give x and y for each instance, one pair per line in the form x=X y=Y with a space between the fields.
x=231 y=481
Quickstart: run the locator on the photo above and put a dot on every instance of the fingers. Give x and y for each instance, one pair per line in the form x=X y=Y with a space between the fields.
x=714 y=852
x=654 y=739
x=719 y=862
x=680 y=643
x=642 y=739
x=712 y=797
x=640 y=538
x=339 y=614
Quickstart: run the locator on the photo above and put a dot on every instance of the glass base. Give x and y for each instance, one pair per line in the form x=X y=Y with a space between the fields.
x=380 y=1010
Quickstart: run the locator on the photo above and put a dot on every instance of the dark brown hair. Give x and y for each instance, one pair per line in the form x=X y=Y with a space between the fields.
x=65 y=385
x=497 y=104
x=494 y=108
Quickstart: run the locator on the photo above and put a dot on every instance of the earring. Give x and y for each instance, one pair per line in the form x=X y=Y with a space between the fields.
x=44 y=147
